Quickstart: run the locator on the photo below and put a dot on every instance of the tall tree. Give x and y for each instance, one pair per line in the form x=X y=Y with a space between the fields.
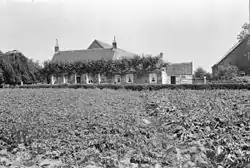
x=199 y=73
x=17 y=68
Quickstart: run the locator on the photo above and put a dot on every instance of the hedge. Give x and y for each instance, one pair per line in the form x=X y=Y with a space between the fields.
x=138 y=87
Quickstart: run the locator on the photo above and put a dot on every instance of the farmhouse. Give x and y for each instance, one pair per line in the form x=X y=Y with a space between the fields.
x=170 y=74
x=238 y=55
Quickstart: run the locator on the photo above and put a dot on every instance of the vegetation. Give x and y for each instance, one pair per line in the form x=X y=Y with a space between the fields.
x=245 y=27
x=16 y=68
x=138 y=87
x=227 y=72
x=200 y=73
x=137 y=64
x=107 y=128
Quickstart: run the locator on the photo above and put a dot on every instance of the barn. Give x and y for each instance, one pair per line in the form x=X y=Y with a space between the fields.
x=238 y=55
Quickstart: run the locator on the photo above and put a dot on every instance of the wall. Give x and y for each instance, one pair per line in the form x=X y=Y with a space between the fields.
x=142 y=79
x=187 y=80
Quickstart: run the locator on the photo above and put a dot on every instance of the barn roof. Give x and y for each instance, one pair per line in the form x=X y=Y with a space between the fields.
x=232 y=49
x=180 y=69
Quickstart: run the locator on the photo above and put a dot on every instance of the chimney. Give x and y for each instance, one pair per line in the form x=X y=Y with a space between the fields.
x=161 y=55
x=114 y=44
x=57 y=46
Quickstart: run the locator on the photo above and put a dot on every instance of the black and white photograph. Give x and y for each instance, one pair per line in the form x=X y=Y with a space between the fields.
x=124 y=83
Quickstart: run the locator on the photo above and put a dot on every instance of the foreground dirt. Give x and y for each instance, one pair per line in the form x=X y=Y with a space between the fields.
x=107 y=128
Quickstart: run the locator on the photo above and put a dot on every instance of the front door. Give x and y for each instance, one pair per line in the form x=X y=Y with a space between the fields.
x=173 y=80
x=78 y=79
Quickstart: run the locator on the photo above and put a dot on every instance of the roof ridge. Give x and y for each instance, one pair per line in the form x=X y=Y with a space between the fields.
x=86 y=49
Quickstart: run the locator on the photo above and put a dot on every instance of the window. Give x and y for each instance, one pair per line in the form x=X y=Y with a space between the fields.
x=89 y=78
x=78 y=79
x=153 y=78
x=118 y=79
x=129 y=78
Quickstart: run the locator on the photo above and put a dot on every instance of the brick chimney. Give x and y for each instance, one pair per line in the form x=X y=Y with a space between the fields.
x=161 y=55
x=57 y=46
x=114 y=44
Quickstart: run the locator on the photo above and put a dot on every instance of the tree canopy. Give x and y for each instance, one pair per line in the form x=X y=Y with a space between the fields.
x=136 y=64
x=200 y=73
x=245 y=27
x=16 y=68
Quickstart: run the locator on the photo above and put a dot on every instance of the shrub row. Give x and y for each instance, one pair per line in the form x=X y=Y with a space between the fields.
x=139 y=87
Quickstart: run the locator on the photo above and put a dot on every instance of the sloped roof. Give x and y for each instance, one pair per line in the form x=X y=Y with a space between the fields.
x=104 y=45
x=180 y=69
x=232 y=49
x=101 y=51
x=119 y=54
x=99 y=44
x=83 y=55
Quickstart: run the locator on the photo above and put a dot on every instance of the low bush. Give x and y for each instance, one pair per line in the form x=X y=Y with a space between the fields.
x=139 y=87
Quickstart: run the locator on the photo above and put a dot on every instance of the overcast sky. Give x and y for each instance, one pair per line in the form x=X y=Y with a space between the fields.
x=201 y=31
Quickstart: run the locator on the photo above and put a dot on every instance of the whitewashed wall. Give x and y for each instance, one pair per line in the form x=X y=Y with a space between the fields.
x=187 y=80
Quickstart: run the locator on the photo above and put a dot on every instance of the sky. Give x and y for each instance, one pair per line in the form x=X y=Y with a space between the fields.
x=198 y=31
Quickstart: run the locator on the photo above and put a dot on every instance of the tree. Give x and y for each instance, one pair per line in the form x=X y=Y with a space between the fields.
x=208 y=75
x=1 y=76
x=200 y=73
x=245 y=27
x=17 y=68
x=227 y=72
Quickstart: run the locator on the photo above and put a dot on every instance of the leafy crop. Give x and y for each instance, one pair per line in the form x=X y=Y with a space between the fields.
x=122 y=128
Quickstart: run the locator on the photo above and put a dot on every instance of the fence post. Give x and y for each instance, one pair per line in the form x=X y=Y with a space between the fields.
x=87 y=78
x=52 y=80
x=205 y=80
x=64 y=80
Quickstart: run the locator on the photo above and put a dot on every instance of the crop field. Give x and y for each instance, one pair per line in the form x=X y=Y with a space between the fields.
x=120 y=128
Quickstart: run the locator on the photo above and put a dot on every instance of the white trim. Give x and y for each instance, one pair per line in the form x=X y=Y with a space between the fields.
x=89 y=78
x=52 y=80
x=99 y=78
x=64 y=80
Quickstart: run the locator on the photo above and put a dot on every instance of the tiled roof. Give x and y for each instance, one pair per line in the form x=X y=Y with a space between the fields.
x=121 y=54
x=83 y=55
x=180 y=69
x=105 y=52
